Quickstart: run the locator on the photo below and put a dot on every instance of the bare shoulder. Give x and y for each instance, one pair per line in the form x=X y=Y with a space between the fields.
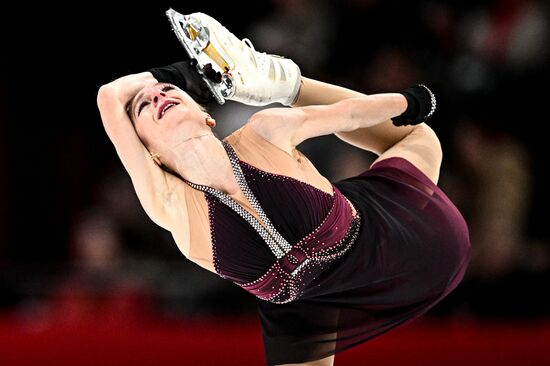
x=272 y=119
x=276 y=125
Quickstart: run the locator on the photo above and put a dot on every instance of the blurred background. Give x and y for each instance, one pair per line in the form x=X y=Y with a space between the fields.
x=87 y=278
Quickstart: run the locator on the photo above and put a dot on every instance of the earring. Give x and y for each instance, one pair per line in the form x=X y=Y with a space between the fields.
x=211 y=122
x=156 y=158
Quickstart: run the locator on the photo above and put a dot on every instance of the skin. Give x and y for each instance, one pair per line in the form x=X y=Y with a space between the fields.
x=320 y=109
x=181 y=137
x=163 y=133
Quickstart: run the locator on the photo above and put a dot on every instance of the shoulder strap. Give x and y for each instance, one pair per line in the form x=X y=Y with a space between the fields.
x=276 y=242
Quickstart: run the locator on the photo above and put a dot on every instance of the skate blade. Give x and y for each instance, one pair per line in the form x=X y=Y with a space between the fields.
x=195 y=39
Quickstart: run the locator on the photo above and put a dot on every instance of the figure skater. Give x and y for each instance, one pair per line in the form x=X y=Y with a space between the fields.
x=331 y=264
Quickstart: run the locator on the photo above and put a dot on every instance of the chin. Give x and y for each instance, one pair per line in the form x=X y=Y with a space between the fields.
x=174 y=120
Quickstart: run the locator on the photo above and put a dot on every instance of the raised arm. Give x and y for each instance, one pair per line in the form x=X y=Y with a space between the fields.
x=360 y=120
x=260 y=79
x=154 y=187
x=378 y=138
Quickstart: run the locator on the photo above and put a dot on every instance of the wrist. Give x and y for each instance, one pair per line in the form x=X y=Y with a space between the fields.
x=126 y=87
x=294 y=88
x=297 y=97
x=401 y=103
x=185 y=76
x=421 y=105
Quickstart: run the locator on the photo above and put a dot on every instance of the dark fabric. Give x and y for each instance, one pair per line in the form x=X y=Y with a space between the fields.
x=291 y=274
x=185 y=76
x=295 y=209
x=411 y=250
x=419 y=105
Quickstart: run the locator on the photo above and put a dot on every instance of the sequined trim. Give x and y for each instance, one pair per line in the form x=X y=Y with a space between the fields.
x=282 y=242
x=213 y=238
x=286 y=177
x=296 y=265
x=283 y=280
x=282 y=285
x=297 y=181
x=275 y=241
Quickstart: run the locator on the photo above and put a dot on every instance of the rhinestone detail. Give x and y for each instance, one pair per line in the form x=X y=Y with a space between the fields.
x=433 y=102
x=278 y=245
x=285 y=246
x=280 y=287
x=296 y=265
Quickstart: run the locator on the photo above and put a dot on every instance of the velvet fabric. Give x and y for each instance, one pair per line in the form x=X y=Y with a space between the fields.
x=410 y=248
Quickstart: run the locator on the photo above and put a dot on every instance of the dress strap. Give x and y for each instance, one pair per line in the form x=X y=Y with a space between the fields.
x=285 y=246
x=275 y=241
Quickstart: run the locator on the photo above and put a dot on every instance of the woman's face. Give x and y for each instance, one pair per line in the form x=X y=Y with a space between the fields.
x=165 y=115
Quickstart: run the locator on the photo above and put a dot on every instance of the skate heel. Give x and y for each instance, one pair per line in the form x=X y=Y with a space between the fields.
x=214 y=68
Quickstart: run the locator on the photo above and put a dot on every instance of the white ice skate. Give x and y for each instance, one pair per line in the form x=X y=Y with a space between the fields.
x=231 y=67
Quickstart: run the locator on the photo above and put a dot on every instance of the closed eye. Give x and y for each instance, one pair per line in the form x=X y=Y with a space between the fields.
x=141 y=106
x=164 y=89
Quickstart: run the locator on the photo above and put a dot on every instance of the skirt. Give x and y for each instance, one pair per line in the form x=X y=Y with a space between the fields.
x=412 y=250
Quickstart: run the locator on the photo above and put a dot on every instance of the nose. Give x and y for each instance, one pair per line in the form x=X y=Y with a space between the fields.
x=156 y=96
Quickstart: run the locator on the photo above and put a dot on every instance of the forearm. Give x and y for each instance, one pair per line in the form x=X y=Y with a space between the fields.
x=112 y=100
x=314 y=92
x=372 y=110
x=375 y=131
x=149 y=181
x=123 y=89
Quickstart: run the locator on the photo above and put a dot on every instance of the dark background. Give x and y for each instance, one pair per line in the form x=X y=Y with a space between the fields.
x=62 y=184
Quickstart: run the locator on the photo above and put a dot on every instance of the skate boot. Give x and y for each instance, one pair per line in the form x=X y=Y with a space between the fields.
x=232 y=68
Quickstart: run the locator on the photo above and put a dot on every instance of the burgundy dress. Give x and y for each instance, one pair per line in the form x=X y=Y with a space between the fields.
x=326 y=280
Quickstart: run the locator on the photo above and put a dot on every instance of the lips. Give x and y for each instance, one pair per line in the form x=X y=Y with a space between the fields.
x=165 y=107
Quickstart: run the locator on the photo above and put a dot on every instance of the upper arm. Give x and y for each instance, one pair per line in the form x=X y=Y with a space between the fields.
x=288 y=127
x=358 y=113
x=154 y=187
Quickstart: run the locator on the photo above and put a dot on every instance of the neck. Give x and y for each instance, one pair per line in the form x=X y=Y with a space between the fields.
x=192 y=138
x=203 y=160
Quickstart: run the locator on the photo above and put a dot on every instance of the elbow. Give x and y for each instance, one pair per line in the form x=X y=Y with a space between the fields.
x=109 y=97
x=105 y=94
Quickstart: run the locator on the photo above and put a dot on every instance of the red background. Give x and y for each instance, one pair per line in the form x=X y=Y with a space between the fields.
x=238 y=342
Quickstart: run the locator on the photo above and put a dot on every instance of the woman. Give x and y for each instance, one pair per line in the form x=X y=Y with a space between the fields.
x=331 y=264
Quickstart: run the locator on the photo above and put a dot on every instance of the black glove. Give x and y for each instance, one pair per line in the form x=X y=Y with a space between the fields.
x=185 y=76
x=421 y=105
